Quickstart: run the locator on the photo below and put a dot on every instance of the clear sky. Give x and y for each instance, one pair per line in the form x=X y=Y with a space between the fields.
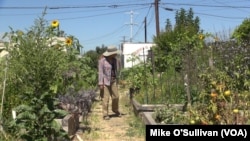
x=110 y=22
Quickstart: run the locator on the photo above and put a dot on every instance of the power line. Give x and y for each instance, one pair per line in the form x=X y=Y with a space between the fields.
x=139 y=29
x=205 y=5
x=90 y=16
x=227 y=5
x=116 y=6
x=226 y=17
x=72 y=7
x=119 y=6
x=219 y=16
x=108 y=34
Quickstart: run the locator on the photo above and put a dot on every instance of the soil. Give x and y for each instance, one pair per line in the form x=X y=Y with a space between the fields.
x=95 y=128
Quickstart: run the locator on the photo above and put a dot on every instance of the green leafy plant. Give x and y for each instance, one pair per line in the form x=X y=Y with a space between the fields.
x=170 y=115
x=41 y=65
x=37 y=122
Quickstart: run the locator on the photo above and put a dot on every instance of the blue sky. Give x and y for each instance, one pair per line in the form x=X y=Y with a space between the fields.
x=110 y=22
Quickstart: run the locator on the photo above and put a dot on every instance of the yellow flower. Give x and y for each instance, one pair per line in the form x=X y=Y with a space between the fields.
x=20 y=33
x=68 y=41
x=55 y=23
x=201 y=37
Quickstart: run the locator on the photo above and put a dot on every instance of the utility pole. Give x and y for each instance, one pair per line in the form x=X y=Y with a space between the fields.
x=145 y=23
x=131 y=25
x=157 y=18
x=124 y=39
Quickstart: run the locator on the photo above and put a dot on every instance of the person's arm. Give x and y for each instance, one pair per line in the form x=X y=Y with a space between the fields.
x=100 y=74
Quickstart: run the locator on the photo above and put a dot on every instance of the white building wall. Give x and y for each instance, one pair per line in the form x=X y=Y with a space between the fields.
x=135 y=49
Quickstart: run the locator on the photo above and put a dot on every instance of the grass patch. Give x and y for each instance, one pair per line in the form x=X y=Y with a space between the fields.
x=136 y=126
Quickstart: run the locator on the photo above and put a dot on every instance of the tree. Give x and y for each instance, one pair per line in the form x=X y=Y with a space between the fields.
x=242 y=33
x=94 y=55
x=169 y=26
x=100 y=50
x=172 y=44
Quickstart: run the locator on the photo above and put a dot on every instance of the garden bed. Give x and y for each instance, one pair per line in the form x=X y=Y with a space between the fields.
x=148 y=112
x=138 y=107
x=70 y=123
x=148 y=118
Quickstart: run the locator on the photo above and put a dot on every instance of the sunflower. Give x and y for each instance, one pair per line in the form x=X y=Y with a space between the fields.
x=68 y=41
x=55 y=23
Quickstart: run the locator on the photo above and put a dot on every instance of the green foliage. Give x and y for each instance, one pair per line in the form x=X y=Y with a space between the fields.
x=94 y=57
x=136 y=128
x=6 y=137
x=39 y=67
x=37 y=122
x=174 y=44
x=242 y=32
x=87 y=73
x=188 y=66
x=101 y=50
x=233 y=59
x=136 y=75
x=90 y=66
x=172 y=88
x=169 y=115
x=175 y=55
x=140 y=78
x=223 y=86
x=185 y=21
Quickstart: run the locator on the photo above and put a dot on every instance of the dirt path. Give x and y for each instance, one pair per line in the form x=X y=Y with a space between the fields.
x=115 y=129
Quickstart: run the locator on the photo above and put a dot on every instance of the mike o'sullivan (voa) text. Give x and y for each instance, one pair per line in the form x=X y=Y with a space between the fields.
x=183 y=132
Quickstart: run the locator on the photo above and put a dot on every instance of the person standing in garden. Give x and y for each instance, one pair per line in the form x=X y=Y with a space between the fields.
x=107 y=74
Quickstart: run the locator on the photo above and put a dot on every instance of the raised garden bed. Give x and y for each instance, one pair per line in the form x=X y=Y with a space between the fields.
x=155 y=118
x=148 y=111
x=138 y=108
x=70 y=123
x=148 y=118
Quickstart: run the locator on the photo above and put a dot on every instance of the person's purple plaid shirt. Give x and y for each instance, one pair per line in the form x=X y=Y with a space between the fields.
x=104 y=71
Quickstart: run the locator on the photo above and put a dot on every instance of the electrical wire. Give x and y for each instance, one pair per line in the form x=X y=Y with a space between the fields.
x=120 y=7
x=205 y=5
